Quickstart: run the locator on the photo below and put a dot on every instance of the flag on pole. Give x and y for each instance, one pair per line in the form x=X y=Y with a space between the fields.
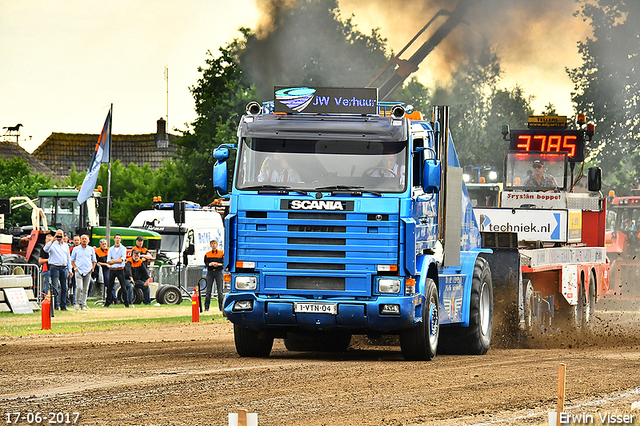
x=100 y=155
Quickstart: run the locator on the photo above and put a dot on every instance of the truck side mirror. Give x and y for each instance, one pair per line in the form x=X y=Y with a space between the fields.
x=221 y=154
x=431 y=176
x=594 y=179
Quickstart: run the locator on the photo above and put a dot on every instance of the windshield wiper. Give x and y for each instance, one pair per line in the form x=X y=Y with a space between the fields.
x=279 y=189
x=347 y=189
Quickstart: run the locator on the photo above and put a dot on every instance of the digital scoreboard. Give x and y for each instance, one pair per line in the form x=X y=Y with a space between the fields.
x=549 y=140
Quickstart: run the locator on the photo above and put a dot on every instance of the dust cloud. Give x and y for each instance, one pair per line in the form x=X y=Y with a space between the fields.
x=535 y=40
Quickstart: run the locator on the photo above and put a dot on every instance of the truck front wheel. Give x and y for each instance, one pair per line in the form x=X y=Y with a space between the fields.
x=421 y=342
x=475 y=339
x=252 y=343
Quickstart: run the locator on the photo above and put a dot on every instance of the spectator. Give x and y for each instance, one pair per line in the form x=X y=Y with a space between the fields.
x=136 y=272
x=83 y=260
x=103 y=270
x=59 y=266
x=213 y=261
x=72 y=285
x=146 y=257
x=115 y=259
x=46 y=274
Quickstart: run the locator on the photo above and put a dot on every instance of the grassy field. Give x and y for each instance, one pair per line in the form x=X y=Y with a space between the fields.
x=99 y=318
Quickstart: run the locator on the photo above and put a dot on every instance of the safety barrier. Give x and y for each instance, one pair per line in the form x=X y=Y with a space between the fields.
x=26 y=269
x=169 y=274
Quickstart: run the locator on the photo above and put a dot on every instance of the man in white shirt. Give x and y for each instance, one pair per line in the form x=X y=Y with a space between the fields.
x=115 y=260
x=83 y=260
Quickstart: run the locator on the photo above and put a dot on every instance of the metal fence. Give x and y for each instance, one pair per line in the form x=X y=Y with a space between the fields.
x=25 y=269
x=185 y=277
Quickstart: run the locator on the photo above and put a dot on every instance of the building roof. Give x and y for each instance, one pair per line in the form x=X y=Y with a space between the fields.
x=61 y=150
x=10 y=150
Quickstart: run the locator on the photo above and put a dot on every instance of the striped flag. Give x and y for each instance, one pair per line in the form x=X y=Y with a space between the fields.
x=100 y=155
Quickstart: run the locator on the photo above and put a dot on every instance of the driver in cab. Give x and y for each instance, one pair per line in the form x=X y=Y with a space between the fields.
x=389 y=167
x=540 y=179
x=276 y=169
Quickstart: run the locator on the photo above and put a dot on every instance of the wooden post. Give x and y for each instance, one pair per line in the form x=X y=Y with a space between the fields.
x=242 y=417
x=562 y=370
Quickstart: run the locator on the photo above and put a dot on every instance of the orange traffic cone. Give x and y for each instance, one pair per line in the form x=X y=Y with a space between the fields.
x=45 y=309
x=195 y=307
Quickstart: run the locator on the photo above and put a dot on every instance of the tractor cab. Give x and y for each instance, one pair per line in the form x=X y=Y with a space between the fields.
x=63 y=211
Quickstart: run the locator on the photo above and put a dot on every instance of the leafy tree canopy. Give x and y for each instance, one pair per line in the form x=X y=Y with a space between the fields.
x=478 y=109
x=607 y=88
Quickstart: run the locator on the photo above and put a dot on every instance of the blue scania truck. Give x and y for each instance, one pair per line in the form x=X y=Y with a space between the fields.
x=350 y=216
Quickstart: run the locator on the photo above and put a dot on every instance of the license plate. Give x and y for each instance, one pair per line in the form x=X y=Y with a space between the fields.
x=315 y=308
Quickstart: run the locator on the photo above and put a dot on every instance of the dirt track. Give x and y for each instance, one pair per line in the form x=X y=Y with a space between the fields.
x=191 y=375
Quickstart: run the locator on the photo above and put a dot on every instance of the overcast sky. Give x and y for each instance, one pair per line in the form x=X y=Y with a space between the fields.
x=62 y=63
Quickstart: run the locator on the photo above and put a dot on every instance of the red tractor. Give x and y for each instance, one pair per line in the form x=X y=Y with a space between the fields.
x=623 y=245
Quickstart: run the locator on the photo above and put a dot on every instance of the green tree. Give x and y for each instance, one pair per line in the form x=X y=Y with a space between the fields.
x=607 y=88
x=478 y=109
x=415 y=94
x=16 y=179
x=220 y=97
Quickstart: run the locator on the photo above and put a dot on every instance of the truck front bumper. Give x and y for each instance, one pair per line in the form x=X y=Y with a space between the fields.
x=382 y=314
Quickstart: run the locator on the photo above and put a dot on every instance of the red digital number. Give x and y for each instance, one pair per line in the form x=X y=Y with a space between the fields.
x=524 y=145
x=555 y=141
x=569 y=147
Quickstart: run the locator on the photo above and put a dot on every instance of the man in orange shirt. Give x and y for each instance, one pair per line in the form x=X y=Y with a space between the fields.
x=136 y=272
x=213 y=261
x=143 y=250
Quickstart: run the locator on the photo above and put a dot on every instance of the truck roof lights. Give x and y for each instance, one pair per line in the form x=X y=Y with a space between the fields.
x=581 y=119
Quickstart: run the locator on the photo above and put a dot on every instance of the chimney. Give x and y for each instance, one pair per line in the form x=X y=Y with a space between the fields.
x=162 y=138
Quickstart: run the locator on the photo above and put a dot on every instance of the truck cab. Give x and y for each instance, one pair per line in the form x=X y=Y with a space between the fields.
x=337 y=227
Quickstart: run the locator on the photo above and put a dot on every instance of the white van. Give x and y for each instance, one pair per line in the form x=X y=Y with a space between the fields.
x=201 y=226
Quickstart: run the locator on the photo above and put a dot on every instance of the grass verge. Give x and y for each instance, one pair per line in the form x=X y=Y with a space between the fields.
x=99 y=318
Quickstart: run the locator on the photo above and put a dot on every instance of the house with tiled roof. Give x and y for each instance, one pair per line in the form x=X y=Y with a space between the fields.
x=61 y=150
x=9 y=150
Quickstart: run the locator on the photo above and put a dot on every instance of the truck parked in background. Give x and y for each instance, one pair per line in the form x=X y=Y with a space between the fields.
x=347 y=217
x=200 y=227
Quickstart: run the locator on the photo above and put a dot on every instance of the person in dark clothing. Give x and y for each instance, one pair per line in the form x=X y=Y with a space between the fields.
x=136 y=272
x=213 y=261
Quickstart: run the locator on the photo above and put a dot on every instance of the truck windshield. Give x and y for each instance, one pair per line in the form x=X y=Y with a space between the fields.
x=301 y=164
x=535 y=171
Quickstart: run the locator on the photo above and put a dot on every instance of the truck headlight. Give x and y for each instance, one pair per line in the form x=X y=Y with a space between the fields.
x=246 y=283
x=389 y=285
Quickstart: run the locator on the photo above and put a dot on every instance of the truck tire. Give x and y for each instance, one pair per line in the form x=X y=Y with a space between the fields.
x=138 y=296
x=420 y=343
x=475 y=339
x=317 y=342
x=170 y=295
x=160 y=295
x=252 y=343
